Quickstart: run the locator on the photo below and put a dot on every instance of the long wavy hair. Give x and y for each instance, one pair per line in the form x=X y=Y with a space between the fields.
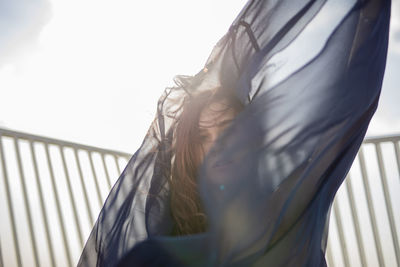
x=186 y=206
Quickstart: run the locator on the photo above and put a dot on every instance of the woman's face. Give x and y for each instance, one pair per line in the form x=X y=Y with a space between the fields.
x=214 y=118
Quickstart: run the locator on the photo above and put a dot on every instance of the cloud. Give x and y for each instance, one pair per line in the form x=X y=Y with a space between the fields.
x=21 y=22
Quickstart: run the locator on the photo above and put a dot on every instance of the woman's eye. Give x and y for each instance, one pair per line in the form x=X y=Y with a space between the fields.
x=204 y=137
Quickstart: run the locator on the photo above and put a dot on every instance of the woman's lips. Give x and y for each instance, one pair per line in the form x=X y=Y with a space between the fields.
x=222 y=163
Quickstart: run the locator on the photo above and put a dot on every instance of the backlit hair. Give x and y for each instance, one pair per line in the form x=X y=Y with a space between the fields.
x=186 y=207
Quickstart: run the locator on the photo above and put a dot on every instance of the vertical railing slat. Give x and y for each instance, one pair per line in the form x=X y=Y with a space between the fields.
x=388 y=202
x=331 y=262
x=71 y=196
x=342 y=240
x=42 y=205
x=96 y=183
x=356 y=222
x=84 y=190
x=58 y=206
x=116 y=164
x=371 y=209
x=1 y=257
x=397 y=153
x=106 y=171
x=10 y=204
x=26 y=202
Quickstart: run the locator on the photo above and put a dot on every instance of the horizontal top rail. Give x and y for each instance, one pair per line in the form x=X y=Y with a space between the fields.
x=48 y=140
x=382 y=138
x=22 y=135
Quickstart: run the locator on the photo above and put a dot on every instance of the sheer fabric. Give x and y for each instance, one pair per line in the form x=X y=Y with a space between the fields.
x=269 y=180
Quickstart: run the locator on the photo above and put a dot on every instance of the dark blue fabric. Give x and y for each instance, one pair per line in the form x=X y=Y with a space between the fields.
x=269 y=181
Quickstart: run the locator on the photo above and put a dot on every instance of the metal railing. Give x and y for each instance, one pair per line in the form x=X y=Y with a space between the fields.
x=50 y=198
x=366 y=212
x=51 y=192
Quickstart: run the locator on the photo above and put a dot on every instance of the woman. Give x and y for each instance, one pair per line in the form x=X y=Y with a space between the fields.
x=204 y=116
x=258 y=192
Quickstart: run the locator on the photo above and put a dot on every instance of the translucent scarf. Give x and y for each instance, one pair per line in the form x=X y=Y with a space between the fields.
x=309 y=74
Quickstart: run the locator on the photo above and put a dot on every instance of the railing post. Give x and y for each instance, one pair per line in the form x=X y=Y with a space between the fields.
x=356 y=223
x=10 y=204
x=26 y=202
x=42 y=206
x=372 y=214
x=59 y=212
x=84 y=191
x=71 y=196
x=388 y=202
x=95 y=180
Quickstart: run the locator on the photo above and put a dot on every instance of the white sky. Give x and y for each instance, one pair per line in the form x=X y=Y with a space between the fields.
x=91 y=71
